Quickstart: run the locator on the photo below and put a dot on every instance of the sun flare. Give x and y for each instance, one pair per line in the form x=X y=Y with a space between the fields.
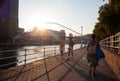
x=40 y=21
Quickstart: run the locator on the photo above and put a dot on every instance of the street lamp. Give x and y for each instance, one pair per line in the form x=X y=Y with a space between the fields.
x=81 y=35
x=81 y=30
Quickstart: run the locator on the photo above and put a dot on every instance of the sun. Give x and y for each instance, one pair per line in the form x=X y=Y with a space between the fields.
x=40 y=21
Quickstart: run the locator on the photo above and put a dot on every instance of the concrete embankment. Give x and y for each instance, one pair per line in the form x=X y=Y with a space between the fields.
x=113 y=60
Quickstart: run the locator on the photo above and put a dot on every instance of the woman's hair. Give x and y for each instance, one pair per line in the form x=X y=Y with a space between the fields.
x=93 y=36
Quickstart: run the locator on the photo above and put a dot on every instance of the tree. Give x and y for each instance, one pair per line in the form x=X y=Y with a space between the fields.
x=109 y=19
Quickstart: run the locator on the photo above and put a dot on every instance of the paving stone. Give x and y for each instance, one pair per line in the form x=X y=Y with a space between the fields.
x=57 y=69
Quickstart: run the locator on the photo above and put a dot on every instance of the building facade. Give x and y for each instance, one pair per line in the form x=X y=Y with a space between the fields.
x=8 y=19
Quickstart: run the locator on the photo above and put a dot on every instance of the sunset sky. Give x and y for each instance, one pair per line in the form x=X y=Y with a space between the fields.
x=70 y=13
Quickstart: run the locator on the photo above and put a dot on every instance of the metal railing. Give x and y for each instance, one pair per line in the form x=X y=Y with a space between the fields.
x=12 y=58
x=9 y=59
x=112 y=43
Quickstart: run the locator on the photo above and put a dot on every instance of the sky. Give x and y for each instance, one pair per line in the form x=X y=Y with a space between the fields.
x=73 y=14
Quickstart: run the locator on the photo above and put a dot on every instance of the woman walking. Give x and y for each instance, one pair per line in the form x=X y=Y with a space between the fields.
x=92 y=54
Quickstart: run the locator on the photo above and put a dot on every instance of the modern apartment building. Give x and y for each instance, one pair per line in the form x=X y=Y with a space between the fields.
x=8 y=19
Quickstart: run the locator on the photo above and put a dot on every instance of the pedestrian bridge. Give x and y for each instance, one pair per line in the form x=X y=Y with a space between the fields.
x=53 y=68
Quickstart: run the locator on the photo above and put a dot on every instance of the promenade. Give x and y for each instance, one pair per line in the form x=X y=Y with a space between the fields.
x=57 y=69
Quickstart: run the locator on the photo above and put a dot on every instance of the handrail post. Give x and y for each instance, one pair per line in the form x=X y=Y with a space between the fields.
x=44 y=53
x=25 y=56
x=54 y=50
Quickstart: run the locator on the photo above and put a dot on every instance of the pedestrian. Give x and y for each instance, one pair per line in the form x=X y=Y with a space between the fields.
x=62 y=47
x=92 y=54
x=70 y=48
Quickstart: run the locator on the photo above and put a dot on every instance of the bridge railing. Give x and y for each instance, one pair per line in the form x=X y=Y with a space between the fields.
x=112 y=43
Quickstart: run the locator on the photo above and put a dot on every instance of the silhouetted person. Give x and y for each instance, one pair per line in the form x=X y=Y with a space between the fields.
x=62 y=47
x=70 y=48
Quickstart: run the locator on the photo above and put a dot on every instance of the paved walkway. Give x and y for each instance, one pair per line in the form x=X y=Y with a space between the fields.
x=57 y=69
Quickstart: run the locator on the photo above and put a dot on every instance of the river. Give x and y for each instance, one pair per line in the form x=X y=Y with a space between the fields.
x=27 y=54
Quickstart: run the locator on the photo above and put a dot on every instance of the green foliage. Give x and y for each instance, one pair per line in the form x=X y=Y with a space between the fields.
x=109 y=19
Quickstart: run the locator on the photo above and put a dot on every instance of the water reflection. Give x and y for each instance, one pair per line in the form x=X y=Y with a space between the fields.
x=33 y=53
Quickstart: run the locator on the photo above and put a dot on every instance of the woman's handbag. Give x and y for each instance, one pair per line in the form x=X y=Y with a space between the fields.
x=100 y=53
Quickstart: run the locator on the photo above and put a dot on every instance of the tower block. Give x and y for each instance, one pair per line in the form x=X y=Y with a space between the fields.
x=8 y=19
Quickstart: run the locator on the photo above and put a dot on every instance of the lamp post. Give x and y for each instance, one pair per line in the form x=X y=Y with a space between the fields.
x=81 y=30
x=81 y=35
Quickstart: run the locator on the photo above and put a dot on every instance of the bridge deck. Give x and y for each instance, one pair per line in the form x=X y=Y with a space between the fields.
x=57 y=69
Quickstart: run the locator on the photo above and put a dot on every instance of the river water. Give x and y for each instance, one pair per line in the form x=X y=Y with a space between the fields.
x=27 y=54
x=39 y=52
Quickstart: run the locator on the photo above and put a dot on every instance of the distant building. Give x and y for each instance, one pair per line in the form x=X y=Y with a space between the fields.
x=20 y=31
x=8 y=19
x=62 y=34
x=70 y=35
x=48 y=34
